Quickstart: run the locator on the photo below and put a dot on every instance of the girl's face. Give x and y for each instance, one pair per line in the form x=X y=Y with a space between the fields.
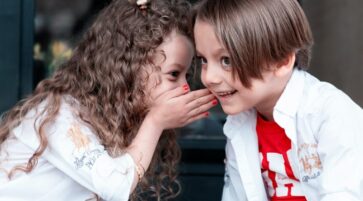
x=217 y=76
x=178 y=54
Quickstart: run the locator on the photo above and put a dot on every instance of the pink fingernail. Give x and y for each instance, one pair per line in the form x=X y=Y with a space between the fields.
x=214 y=102
x=186 y=87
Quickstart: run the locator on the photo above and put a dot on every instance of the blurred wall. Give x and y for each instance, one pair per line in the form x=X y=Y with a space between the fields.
x=338 y=51
x=16 y=45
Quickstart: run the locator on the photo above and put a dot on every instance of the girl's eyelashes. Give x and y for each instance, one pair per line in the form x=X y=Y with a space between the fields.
x=174 y=73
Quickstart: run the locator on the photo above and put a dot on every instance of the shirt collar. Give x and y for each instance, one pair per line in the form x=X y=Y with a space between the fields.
x=235 y=123
x=287 y=104
x=291 y=97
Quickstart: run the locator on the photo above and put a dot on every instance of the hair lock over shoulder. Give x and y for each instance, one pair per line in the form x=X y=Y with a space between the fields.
x=104 y=75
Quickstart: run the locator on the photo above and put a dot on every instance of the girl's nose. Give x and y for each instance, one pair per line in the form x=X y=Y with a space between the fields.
x=182 y=81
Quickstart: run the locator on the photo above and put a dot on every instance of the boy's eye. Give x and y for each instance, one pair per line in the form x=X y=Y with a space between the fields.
x=226 y=62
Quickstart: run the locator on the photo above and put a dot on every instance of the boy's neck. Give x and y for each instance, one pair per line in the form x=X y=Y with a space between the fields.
x=266 y=108
x=266 y=115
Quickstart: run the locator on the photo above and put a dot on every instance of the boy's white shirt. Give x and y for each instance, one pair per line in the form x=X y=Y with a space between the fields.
x=319 y=120
x=75 y=166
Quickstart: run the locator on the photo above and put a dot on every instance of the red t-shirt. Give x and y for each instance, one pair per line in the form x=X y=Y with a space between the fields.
x=274 y=147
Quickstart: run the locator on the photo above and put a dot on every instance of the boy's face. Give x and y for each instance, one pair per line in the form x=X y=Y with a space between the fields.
x=217 y=76
x=178 y=54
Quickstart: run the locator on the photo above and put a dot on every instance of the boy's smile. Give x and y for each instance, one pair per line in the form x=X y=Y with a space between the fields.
x=223 y=96
x=217 y=76
x=226 y=94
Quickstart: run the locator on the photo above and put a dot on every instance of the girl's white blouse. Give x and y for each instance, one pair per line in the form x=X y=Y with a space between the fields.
x=74 y=166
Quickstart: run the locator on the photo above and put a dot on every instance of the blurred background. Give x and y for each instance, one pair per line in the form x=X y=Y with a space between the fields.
x=38 y=35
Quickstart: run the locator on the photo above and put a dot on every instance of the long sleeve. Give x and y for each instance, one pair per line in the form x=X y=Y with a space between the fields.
x=340 y=138
x=233 y=188
x=76 y=151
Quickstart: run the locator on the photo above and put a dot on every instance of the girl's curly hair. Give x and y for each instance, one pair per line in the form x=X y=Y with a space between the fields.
x=105 y=76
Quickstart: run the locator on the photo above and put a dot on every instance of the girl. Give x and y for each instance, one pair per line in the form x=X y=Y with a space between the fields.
x=91 y=129
x=289 y=135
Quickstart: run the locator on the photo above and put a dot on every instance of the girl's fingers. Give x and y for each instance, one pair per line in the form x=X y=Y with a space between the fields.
x=193 y=95
x=176 y=92
x=202 y=101
x=197 y=117
x=203 y=108
x=179 y=91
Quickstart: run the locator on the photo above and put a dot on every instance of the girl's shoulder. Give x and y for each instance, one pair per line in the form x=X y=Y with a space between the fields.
x=69 y=108
x=67 y=112
x=66 y=121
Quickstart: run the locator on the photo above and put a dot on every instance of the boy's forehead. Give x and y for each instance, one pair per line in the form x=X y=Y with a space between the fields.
x=205 y=35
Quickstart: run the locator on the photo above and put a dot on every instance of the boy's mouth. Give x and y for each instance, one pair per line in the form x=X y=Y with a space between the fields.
x=226 y=94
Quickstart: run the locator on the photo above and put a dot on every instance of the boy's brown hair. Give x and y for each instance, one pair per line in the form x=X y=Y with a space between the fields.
x=258 y=33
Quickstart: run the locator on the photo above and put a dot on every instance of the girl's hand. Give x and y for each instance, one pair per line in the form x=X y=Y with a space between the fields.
x=172 y=109
x=179 y=107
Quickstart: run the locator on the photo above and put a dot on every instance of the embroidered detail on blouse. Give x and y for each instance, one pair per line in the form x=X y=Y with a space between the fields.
x=88 y=158
x=80 y=140
x=310 y=161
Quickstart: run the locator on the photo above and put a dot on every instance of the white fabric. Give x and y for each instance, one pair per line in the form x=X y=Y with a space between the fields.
x=326 y=130
x=74 y=167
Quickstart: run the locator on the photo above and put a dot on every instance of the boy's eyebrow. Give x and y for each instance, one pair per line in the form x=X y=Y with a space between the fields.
x=217 y=52
x=220 y=51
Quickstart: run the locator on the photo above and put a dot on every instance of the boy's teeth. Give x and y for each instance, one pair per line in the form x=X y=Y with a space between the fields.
x=226 y=93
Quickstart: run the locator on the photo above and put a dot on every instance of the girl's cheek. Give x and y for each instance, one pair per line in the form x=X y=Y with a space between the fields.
x=202 y=77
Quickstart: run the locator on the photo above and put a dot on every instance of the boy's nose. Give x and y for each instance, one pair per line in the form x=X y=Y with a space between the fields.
x=211 y=76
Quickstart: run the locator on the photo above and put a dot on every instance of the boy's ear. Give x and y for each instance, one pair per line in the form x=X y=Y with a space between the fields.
x=286 y=65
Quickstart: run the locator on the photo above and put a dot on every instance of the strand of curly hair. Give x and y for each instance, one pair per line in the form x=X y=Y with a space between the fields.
x=103 y=75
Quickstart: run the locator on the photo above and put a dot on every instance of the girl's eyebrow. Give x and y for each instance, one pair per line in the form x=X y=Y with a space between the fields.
x=180 y=66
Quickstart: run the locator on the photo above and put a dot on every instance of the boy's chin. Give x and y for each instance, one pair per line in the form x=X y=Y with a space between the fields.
x=231 y=110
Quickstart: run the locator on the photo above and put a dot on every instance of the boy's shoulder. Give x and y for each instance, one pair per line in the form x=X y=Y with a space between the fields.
x=324 y=97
